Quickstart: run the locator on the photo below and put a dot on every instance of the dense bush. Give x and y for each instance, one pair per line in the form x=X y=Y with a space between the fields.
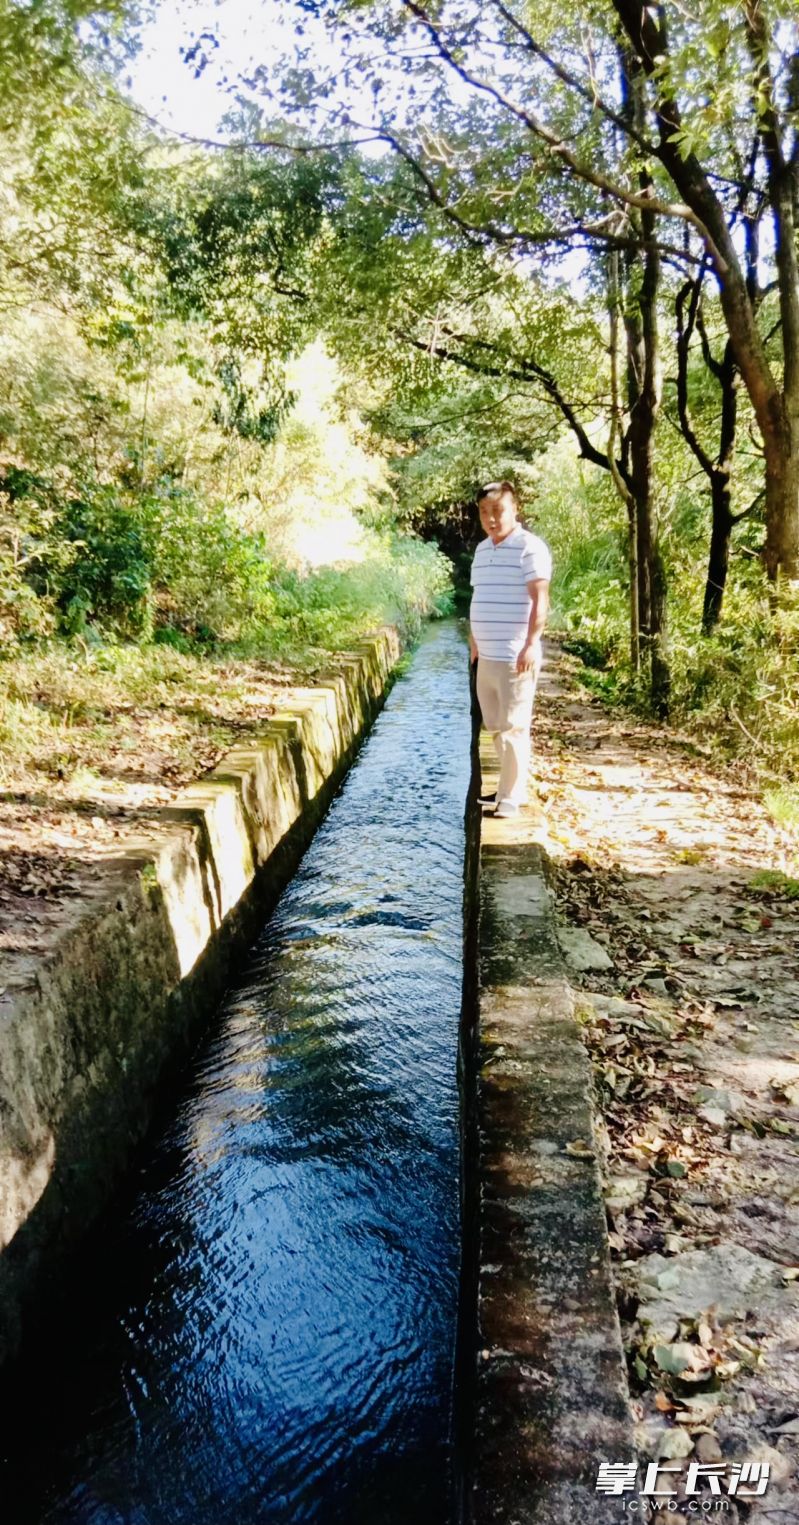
x=135 y=510
x=163 y=565
x=25 y=537
x=399 y=582
x=108 y=579
x=738 y=687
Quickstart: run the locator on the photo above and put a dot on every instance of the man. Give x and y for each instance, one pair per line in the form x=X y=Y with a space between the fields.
x=511 y=573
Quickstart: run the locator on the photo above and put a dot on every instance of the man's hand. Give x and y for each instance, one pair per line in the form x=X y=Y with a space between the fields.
x=530 y=654
x=526 y=659
x=472 y=648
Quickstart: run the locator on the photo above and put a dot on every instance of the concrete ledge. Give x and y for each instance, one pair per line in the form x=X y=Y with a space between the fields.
x=85 y=1049
x=551 y=1391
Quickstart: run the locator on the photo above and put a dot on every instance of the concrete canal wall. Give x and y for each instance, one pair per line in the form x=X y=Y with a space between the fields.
x=121 y=999
x=549 y=1399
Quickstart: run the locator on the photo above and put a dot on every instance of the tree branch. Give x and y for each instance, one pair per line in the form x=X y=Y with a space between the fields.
x=522 y=370
x=645 y=26
x=767 y=115
x=479 y=232
x=736 y=518
x=232 y=145
x=713 y=365
x=573 y=81
x=689 y=293
x=559 y=149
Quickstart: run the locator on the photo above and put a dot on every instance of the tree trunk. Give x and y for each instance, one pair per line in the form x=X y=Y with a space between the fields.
x=621 y=479
x=775 y=400
x=719 y=557
x=643 y=537
x=781 y=445
x=632 y=561
x=719 y=473
x=660 y=676
x=644 y=387
x=639 y=442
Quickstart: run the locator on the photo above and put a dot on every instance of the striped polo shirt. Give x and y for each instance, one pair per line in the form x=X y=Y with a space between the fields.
x=500 y=608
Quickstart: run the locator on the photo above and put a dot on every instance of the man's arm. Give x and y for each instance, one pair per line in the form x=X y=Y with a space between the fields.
x=539 y=594
x=473 y=652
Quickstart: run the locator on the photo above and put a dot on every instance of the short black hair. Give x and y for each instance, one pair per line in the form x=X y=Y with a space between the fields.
x=496 y=489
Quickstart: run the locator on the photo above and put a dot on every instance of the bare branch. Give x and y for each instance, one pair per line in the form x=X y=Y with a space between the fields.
x=598 y=232
x=238 y=145
x=454 y=418
x=709 y=358
x=745 y=512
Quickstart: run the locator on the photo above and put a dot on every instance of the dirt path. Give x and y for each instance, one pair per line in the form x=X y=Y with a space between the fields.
x=693 y=1027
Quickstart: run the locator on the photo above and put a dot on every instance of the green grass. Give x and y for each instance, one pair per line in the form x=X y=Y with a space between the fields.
x=774 y=881
x=94 y=705
x=782 y=805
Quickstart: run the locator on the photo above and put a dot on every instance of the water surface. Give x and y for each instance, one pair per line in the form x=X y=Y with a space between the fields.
x=264 y=1330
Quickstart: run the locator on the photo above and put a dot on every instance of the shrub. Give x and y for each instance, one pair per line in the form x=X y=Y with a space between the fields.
x=400 y=582
x=24 y=532
x=108 y=579
x=213 y=580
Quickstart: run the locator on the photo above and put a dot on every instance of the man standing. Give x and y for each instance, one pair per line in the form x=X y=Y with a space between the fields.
x=511 y=573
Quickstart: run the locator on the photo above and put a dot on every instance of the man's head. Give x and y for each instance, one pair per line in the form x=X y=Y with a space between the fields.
x=499 y=508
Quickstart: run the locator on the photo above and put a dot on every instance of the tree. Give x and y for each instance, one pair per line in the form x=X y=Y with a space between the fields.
x=716 y=464
x=71 y=156
x=774 y=125
x=452 y=87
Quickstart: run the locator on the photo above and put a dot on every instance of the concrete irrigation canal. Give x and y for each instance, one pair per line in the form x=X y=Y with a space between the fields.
x=292 y=1310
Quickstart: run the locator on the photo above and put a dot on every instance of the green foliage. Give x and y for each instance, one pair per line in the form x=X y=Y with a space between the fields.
x=108 y=579
x=177 y=464
x=237 y=238
x=400 y=583
x=738 y=687
x=235 y=388
x=773 y=881
x=23 y=616
x=169 y=565
x=577 y=513
x=783 y=806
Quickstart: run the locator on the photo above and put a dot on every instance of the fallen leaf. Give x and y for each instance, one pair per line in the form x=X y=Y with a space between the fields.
x=675 y=1444
x=727 y=1369
x=676 y=1358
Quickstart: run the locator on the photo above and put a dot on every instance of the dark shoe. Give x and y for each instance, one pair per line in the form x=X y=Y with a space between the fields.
x=487 y=799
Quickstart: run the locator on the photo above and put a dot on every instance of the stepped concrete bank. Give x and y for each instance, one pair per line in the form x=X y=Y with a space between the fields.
x=551 y=1395
x=86 y=1047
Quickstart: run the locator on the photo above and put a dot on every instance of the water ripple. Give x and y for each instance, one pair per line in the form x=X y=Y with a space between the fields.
x=266 y=1334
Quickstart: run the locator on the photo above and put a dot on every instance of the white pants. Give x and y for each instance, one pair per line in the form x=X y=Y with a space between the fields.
x=506 y=705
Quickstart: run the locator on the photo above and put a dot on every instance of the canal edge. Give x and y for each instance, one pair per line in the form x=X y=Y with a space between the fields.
x=88 y=1046
x=547 y=1383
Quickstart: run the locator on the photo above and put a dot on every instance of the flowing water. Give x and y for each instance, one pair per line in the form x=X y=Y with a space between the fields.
x=264 y=1330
